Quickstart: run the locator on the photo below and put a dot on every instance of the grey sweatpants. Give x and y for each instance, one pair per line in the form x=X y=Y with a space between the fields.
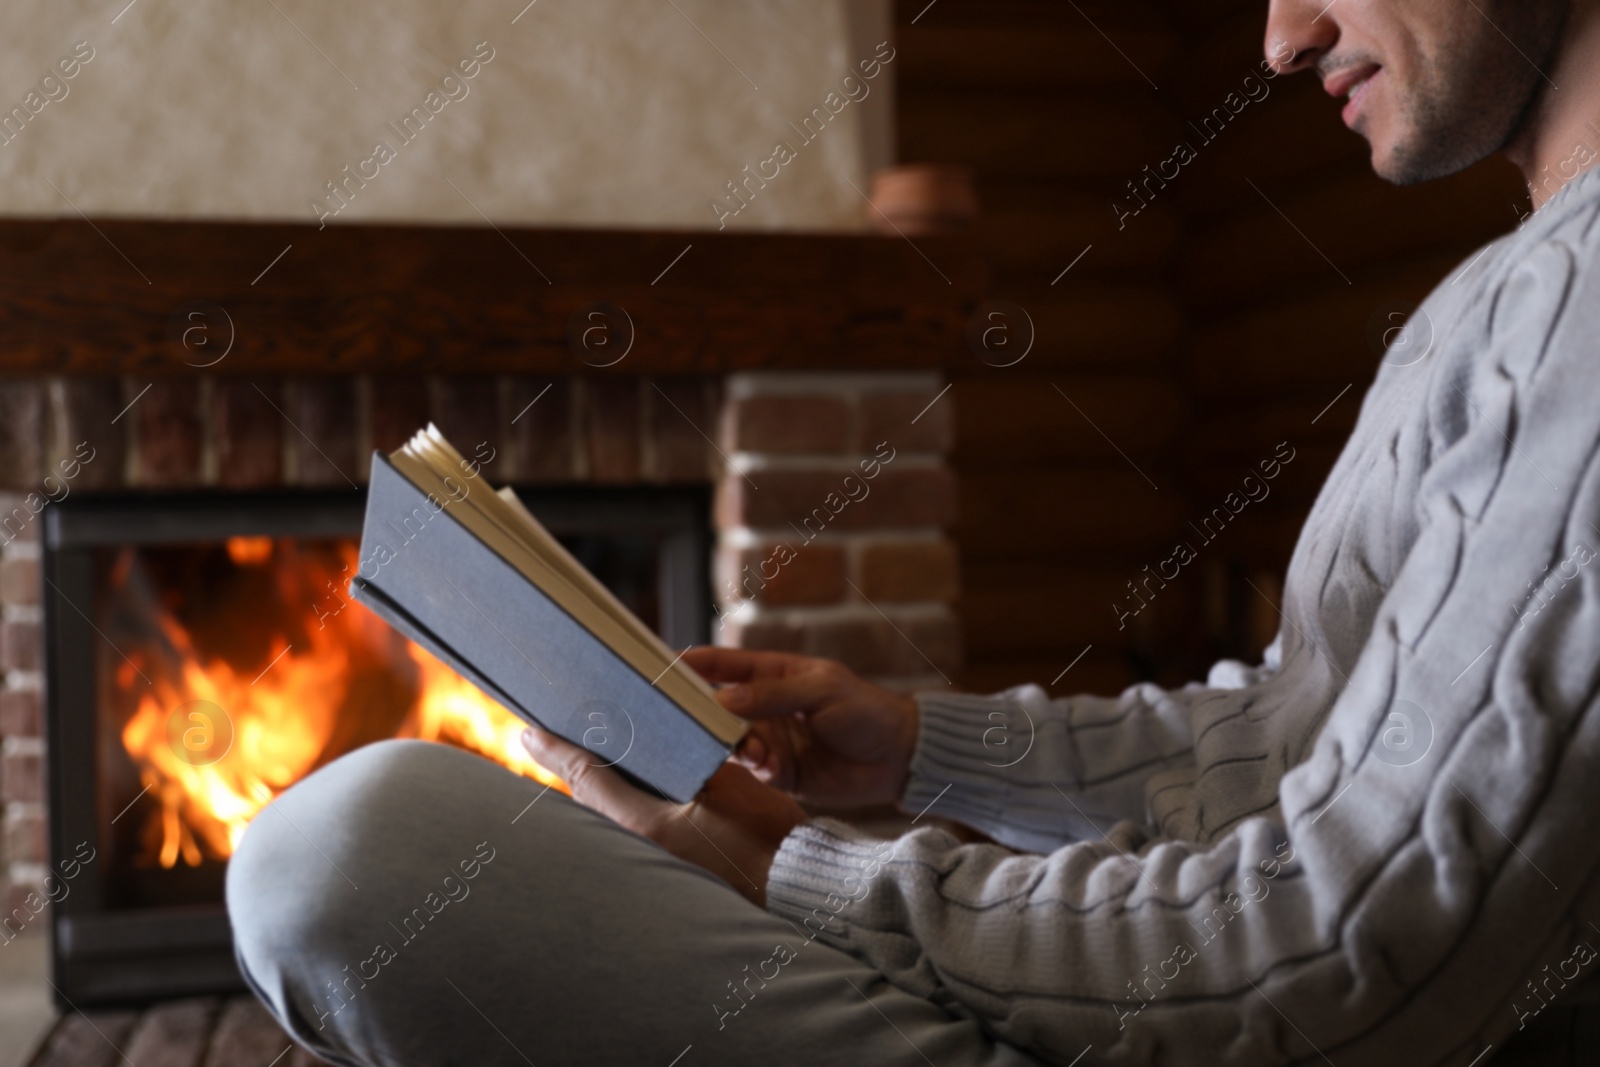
x=413 y=905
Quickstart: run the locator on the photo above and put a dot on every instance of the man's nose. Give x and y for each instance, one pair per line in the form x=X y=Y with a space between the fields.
x=1300 y=31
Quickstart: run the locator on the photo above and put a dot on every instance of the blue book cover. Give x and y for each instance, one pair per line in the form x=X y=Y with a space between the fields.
x=426 y=572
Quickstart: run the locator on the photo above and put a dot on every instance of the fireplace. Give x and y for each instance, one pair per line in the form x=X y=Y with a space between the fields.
x=203 y=655
x=758 y=374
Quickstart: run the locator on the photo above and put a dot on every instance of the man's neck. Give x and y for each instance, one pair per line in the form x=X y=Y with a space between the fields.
x=1562 y=137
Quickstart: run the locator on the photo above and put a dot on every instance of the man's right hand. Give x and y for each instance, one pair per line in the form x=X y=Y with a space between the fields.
x=817 y=730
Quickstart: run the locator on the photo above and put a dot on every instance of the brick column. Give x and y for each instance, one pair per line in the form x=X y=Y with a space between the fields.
x=21 y=724
x=831 y=520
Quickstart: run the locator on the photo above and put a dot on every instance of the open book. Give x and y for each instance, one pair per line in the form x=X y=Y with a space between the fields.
x=469 y=574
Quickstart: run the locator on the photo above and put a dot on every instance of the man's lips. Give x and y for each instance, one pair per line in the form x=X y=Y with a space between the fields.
x=1341 y=83
x=1354 y=81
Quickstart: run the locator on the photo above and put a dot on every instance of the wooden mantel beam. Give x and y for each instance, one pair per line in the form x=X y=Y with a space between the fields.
x=114 y=297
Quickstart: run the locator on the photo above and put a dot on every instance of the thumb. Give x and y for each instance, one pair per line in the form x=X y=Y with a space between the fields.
x=768 y=752
x=593 y=783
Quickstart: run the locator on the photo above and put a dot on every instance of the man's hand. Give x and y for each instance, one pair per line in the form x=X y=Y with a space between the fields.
x=732 y=829
x=817 y=730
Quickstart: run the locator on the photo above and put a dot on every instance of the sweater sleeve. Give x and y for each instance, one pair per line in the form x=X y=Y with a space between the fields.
x=1036 y=773
x=1389 y=910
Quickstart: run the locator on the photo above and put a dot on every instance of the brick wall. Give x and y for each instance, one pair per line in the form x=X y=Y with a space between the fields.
x=831 y=517
x=868 y=578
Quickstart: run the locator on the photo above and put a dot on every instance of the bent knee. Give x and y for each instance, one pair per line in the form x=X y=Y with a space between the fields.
x=353 y=822
x=333 y=813
x=325 y=853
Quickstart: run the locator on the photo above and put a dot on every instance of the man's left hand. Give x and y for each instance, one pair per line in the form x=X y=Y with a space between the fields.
x=732 y=828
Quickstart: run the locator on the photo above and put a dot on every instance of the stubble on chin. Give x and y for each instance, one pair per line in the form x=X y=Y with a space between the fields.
x=1474 y=98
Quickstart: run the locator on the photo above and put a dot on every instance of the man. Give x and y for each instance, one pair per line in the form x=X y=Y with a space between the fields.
x=1379 y=847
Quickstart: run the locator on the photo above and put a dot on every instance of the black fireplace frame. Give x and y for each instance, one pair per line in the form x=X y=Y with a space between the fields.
x=105 y=956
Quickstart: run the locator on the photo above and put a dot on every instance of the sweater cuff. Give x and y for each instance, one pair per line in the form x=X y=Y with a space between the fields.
x=966 y=746
x=821 y=867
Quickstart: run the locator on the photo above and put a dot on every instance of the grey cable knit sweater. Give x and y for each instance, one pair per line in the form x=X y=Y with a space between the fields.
x=1377 y=848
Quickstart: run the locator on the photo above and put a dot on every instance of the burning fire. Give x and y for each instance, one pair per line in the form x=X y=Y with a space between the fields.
x=453 y=710
x=215 y=743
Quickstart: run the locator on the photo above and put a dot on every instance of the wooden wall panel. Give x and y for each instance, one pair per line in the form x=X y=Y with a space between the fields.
x=1032 y=417
x=1036 y=133
x=1053 y=119
x=1049 y=510
x=1104 y=326
x=1015 y=609
x=948 y=50
x=1035 y=228
x=1360 y=224
x=1303 y=345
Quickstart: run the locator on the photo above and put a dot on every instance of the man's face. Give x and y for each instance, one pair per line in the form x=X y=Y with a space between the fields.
x=1433 y=85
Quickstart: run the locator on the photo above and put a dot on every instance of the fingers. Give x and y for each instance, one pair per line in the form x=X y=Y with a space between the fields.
x=761 y=685
x=593 y=784
x=771 y=697
x=741 y=665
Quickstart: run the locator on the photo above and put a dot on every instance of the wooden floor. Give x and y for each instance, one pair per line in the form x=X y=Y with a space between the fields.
x=201 y=1032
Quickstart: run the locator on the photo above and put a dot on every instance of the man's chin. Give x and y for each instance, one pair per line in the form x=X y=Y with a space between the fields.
x=1394 y=170
x=1402 y=162
x=1387 y=161
x=1419 y=144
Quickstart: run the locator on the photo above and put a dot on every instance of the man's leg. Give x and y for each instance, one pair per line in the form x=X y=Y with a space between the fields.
x=412 y=904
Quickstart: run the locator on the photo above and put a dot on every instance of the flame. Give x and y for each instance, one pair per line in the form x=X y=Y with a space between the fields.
x=246 y=551
x=453 y=710
x=215 y=744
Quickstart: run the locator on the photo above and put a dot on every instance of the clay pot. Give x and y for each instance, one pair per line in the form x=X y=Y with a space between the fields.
x=923 y=199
